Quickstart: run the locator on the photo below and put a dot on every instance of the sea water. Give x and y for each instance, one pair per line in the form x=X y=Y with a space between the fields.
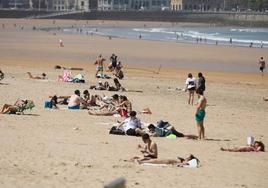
x=213 y=35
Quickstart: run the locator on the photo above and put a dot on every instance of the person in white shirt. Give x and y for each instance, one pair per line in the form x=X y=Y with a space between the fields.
x=131 y=125
x=74 y=101
x=190 y=87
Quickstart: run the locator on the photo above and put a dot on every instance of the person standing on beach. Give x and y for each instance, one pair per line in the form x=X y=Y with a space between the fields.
x=201 y=82
x=190 y=87
x=61 y=43
x=200 y=114
x=100 y=65
x=262 y=65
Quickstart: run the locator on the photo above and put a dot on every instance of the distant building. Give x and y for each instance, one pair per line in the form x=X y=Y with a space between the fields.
x=141 y=5
x=176 y=5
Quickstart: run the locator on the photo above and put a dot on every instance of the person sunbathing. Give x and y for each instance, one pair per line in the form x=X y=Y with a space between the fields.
x=258 y=146
x=18 y=107
x=117 y=87
x=166 y=131
x=108 y=108
x=191 y=160
x=43 y=76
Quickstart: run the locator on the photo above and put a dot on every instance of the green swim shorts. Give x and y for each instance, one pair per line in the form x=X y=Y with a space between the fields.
x=200 y=115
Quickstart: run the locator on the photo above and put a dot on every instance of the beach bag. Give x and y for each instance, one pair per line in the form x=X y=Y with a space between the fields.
x=116 y=131
x=48 y=104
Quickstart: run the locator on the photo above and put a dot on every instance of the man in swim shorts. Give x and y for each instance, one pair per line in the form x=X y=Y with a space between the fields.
x=200 y=113
x=100 y=64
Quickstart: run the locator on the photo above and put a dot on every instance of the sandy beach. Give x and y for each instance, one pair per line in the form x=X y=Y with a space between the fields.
x=42 y=148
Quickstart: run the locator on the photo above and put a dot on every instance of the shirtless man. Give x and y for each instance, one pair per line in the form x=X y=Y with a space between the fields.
x=149 y=151
x=75 y=100
x=99 y=62
x=200 y=114
x=262 y=65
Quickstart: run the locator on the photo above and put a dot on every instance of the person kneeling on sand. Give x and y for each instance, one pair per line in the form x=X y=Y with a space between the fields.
x=258 y=146
x=131 y=126
x=75 y=100
x=43 y=76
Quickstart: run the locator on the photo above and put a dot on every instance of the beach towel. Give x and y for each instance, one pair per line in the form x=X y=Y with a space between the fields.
x=67 y=76
x=150 y=164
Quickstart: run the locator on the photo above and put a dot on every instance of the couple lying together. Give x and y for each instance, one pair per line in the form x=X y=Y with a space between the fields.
x=132 y=126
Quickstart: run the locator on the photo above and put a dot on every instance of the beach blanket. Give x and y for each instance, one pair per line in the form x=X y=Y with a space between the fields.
x=66 y=77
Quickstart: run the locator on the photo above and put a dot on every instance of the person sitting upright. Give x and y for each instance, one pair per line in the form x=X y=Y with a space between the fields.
x=149 y=150
x=131 y=125
x=75 y=100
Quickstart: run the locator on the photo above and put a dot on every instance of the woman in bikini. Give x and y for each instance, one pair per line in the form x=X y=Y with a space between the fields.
x=258 y=146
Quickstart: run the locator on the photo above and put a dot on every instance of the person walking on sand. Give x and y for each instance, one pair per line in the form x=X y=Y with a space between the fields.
x=61 y=43
x=100 y=65
x=190 y=87
x=200 y=114
x=262 y=65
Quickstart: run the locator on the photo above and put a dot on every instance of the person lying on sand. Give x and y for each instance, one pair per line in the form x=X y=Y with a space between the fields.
x=166 y=131
x=43 y=76
x=258 y=146
x=100 y=86
x=180 y=162
x=18 y=108
x=108 y=108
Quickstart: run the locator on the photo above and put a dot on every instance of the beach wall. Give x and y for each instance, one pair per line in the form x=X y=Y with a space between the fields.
x=226 y=18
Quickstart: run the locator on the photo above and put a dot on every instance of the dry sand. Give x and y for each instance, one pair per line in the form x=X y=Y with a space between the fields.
x=41 y=148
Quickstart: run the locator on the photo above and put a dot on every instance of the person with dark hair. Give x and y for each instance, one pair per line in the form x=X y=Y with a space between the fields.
x=131 y=125
x=163 y=132
x=118 y=72
x=75 y=100
x=201 y=82
x=108 y=108
x=43 y=76
x=200 y=113
x=190 y=87
x=113 y=64
x=149 y=150
x=262 y=65
x=258 y=146
x=125 y=106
